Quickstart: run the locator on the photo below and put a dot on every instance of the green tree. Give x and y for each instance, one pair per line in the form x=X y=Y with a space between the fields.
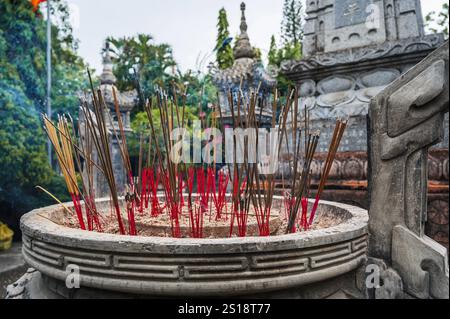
x=277 y=56
x=224 y=51
x=155 y=67
x=22 y=99
x=440 y=19
x=273 y=52
x=292 y=37
x=140 y=126
x=287 y=52
x=199 y=90
x=292 y=51
x=257 y=53
x=154 y=63
x=292 y=24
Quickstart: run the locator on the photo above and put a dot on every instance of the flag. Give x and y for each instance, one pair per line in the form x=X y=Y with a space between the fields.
x=36 y=3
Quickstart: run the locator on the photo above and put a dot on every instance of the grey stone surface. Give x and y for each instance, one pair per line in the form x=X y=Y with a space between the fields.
x=333 y=25
x=357 y=23
x=349 y=58
x=34 y=285
x=405 y=120
x=12 y=266
x=347 y=93
x=422 y=263
x=189 y=267
x=350 y=12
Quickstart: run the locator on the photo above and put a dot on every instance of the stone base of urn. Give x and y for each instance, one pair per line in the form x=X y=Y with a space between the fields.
x=35 y=285
x=322 y=263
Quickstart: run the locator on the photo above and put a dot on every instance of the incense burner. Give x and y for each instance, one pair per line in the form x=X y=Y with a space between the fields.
x=315 y=264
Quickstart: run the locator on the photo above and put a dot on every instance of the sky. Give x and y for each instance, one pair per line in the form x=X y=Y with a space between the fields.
x=189 y=26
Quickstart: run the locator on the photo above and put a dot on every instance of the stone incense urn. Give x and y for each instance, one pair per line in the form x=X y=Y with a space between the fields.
x=315 y=264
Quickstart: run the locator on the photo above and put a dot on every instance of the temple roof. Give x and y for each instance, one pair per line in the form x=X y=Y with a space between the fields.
x=246 y=67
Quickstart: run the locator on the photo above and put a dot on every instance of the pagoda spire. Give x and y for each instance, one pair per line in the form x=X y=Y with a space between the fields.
x=244 y=26
x=243 y=48
x=107 y=76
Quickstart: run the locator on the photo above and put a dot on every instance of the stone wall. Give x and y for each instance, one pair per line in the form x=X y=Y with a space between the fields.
x=348 y=184
x=333 y=25
x=347 y=63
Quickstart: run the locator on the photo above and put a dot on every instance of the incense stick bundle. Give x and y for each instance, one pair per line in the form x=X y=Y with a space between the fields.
x=98 y=130
x=170 y=171
x=83 y=149
x=219 y=194
x=263 y=206
x=65 y=158
x=311 y=147
x=239 y=203
x=131 y=197
x=335 y=142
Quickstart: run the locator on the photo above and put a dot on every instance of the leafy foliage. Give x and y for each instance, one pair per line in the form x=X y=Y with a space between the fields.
x=292 y=38
x=156 y=68
x=288 y=52
x=22 y=99
x=276 y=56
x=199 y=91
x=440 y=19
x=153 y=63
x=292 y=25
x=273 y=52
x=224 y=51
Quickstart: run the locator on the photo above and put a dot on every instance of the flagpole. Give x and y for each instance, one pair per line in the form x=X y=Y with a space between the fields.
x=49 y=75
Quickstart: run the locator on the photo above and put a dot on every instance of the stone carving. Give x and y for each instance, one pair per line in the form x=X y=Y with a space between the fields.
x=18 y=290
x=334 y=25
x=307 y=88
x=336 y=83
x=243 y=49
x=338 y=77
x=390 y=288
x=363 y=54
x=350 y=12
x=378 y=77
x=405 y=120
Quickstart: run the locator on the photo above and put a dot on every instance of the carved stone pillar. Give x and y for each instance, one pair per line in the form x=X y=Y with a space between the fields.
x=405 y=120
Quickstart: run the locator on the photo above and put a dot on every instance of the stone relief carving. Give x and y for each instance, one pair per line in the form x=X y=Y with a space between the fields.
x=336 y=83
x=378 y=77
x=405 y=120
x=307 y=88
x=363 y=54
x=344 y=95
